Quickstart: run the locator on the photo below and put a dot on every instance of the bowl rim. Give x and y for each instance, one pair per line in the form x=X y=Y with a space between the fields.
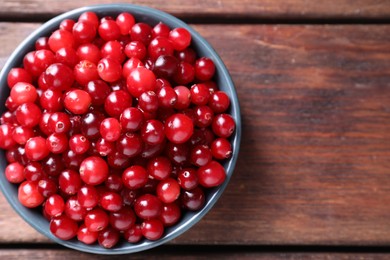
x=178 y=229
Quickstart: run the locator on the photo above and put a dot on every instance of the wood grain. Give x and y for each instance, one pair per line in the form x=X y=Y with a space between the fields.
x=315 y=155
x=244 y=9
x=185 y=255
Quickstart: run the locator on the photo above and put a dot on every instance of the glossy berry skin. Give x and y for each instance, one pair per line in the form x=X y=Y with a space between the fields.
x=77 y=101
x=98 y=91
x=200 y=94
x=221 y=149
x=168 y=190
x=110 y=129
x=187 y=178
x=122 y=219
x=179 y=128
x=133 y=234
x=134 y=177
x=58 y=122
x=88 y=196
x=147 y=206
x=74 y=210
x=204 y=69
x=180 y=38
x=129 y=144
x=200 y=155
x=28 y=114
x=29 y=195
x=21 y=134
x=63 y=227
x=93 y=170
x=96 y=220
x=61 y=39
x=135 y=49
x=125 y=21
x=152 y=229
x=69 y=182
x=170 y=214
x=36 y=148
x=110 y=70
x=51 y=100
x=86 y=236
x=109 y=30
x=219 y=102
x=223 y=125
x=83 y=32
x=23 y=92
x=131 y=119
x=85 y=71
x=16 y=75
x=79 y=144
x=54 y=205
x=14 y=172
x=141 y=32
x=140 y=80
x=108 y=237
x=116 y=102
x=111 y=201
x=211 y=175
x=159 y=167
x=152 y=132
x=57 y=143
x=193 y=199
x=57 y=76
x=6 y=140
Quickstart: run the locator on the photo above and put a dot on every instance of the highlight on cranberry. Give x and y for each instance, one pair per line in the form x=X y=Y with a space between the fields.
x=114 y=129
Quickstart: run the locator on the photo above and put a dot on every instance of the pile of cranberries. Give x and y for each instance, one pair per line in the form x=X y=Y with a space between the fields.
x=114 y=128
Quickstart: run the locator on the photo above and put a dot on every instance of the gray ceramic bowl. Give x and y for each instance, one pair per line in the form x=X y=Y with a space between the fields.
x=203 y=48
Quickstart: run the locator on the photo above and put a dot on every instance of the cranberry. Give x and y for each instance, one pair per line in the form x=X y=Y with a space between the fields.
x=135 y=177
x=179 y=128
x=63 y=227
x=14 y=172
x=152 y=229
x=180 y=38
x=29 y=195
x=141 y=32
x=111 y=201
x=110 y=129
x=148 y=206
x=193 y=199
x=168 y=190
x=96 y=220
x=170 y=214
x=219 y=102
x=83 y=32
x=108 y=237
x=116 y=102
x=16 y=75
x=135 y=49
x=223 y=125
x=133 y=234
x=28 y=114
x=211 y=175
x=122 y=219
x=74 y=210
x=54 y=205
x=69 y=182
x=89 y=52
x=77 y=101
x=109 y=30
x=125 y=21
x=36 y=148
x=86 y=236
x=204 y=69
x=93 y=170
x=140 y=80
x=187 y=178
x=61 y=39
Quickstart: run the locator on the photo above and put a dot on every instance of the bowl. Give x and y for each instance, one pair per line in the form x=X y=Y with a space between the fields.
x=222 y=77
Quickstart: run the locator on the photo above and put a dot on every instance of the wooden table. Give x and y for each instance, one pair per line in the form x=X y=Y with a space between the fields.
x=313 y=175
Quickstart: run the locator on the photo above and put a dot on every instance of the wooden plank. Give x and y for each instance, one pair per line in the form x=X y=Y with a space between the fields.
x=185 y=255
x=314 y=161
x=254 y=9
